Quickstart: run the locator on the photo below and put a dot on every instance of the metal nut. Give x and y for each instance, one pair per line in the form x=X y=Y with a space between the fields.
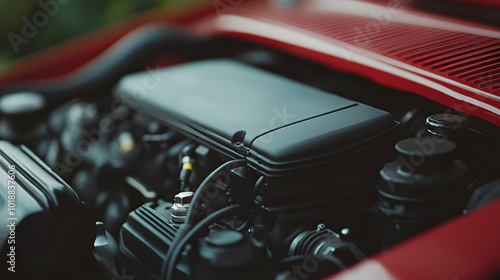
x=179 y=213
x=181 y=205
x=183 y=198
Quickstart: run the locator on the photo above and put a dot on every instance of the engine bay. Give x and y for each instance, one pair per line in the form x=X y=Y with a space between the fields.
x=251 y=165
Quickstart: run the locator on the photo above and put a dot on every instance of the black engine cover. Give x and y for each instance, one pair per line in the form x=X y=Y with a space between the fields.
x=288 y=131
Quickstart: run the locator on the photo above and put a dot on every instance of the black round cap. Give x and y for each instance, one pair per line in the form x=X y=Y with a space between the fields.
x=224 y=238
x=443 y=125
x=426 y=146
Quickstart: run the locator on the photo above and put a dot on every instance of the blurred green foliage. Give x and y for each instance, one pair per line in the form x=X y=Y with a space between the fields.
x=70 y=19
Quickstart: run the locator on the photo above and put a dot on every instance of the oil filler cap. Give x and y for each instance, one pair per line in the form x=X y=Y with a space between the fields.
x=425 y=169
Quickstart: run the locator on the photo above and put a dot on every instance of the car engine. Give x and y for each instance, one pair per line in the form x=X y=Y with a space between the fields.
x=249 y=165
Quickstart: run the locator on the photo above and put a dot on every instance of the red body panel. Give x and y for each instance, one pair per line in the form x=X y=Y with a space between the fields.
x=466 y=248
x=452 y=62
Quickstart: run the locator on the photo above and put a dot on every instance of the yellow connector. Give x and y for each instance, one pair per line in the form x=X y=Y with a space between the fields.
x=187 y=165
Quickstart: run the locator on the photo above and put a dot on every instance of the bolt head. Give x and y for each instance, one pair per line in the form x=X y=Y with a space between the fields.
x=183 y=198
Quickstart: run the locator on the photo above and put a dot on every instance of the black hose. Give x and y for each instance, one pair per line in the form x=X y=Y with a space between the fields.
x=253 y=203
x=169 y=263
x=197 y=201
x=261 y=182
x=130 y=53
